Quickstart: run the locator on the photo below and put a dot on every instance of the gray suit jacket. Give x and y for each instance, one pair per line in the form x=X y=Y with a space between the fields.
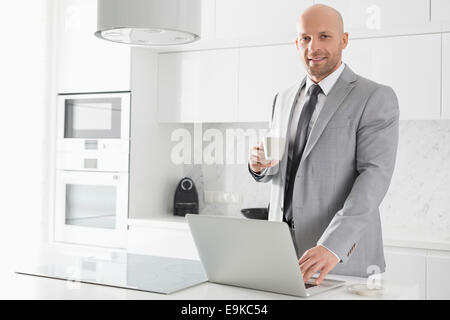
x=344 y=173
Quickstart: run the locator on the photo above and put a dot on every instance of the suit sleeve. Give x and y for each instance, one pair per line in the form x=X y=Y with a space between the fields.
x=266 y=174
x=376 y=149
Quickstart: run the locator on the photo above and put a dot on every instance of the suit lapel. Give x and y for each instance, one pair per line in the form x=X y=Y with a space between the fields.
x=335 y=97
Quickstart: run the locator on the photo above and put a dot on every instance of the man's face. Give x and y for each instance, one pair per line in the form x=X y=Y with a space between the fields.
x=320 y=46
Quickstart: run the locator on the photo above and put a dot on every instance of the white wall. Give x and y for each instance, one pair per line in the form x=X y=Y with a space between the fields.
x=153 y=176
x=24 y=123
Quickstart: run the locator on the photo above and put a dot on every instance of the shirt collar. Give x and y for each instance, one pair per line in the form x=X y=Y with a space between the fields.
x=327 y=83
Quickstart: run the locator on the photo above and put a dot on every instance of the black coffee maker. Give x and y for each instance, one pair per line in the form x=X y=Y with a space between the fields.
x=186 y=198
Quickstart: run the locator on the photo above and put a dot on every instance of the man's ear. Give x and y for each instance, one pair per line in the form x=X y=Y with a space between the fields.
x=344 y=40
x=296 y=44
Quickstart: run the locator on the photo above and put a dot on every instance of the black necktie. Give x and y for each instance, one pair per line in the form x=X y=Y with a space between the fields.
x=300 y=141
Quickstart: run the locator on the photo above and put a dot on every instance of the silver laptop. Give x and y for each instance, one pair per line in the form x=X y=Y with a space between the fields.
x=256 y=254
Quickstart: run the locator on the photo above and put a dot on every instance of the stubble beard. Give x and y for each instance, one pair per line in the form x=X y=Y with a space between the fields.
x=327 y=68
x=322 y=71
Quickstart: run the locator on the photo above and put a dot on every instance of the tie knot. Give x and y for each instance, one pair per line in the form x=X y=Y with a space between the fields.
x=315 y=89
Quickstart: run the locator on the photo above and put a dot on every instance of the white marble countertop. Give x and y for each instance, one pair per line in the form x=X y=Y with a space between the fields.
x=19 y=286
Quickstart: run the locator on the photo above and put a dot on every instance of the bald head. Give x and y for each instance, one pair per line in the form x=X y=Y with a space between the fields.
x=320 y=40
x=322 y=14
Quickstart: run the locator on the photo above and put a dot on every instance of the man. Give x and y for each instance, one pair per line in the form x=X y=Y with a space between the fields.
x=341 y=141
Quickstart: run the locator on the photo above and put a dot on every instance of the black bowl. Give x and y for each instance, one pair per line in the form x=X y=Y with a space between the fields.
x=256 y=213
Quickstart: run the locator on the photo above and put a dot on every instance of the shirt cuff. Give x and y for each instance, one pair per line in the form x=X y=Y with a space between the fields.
x=257 y=176
x=339 y=260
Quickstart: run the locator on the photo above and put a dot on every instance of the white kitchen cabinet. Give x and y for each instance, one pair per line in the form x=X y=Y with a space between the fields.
x=409 y=64
x=86 y=63
x=440 y=10
x=258 y=18
x=198 y=86
x=380 y=14
x=446 y=75
x=438 y=276
x=265 y=71
x=406 y=266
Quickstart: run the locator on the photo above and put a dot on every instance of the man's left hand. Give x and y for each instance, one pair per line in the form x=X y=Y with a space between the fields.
x=317 y=259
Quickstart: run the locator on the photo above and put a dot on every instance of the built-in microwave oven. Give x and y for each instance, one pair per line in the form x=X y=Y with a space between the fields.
x=93 y=122
x=93 y=132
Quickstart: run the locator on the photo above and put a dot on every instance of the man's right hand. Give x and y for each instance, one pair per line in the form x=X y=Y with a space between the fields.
x=257 y=160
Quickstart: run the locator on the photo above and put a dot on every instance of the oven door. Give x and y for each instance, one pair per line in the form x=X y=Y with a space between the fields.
x=93 y=122
x=91 y=208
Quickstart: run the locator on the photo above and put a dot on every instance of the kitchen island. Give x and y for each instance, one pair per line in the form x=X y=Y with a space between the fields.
x=20 y=286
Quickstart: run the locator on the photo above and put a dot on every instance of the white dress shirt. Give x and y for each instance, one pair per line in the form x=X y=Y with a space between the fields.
x=326 y=85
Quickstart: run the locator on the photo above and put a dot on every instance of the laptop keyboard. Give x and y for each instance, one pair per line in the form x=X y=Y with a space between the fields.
x=309 y=285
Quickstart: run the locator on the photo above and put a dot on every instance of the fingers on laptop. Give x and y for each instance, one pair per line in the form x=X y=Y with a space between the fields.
x=311 y=270
x=322 y=275
x=304 y=267
x=304 y=257
x=310 y=265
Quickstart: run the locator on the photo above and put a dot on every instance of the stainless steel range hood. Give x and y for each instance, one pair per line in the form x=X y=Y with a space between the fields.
x=149 y=22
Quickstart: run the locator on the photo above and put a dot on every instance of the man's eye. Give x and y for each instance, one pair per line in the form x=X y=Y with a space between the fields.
x=305 y=38
x=324 y=36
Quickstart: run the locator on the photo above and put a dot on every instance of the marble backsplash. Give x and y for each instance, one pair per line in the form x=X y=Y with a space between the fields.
x=231 y=176
x=418 y=197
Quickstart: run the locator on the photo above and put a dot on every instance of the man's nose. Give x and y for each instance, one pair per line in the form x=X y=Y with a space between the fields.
x=313 y=45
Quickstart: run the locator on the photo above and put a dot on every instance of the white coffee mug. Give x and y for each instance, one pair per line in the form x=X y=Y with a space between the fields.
x=273 y=147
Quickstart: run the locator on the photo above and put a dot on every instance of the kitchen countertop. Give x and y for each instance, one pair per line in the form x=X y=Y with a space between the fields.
x=19 y=286
x=416 y=238
x=405 y=237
